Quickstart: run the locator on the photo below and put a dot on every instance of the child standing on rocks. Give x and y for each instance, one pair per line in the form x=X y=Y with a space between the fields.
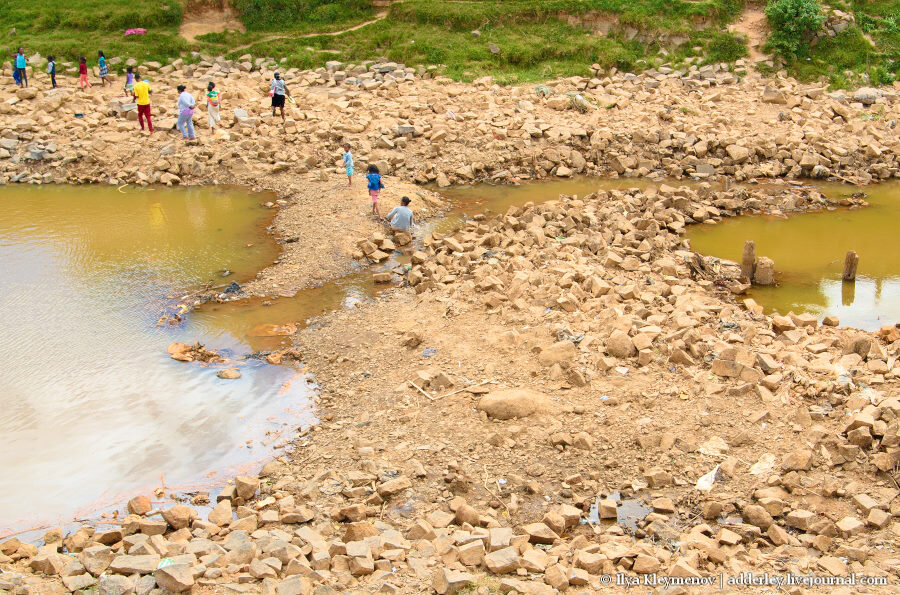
x=51 y=70
x=348 y=163
x=375 y=186
x=21 y=65
x=104 y=69
x=129 y=81
x=212 y=105
x=83 y=74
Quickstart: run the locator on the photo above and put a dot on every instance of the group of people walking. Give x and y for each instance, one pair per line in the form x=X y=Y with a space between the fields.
x=20 y=70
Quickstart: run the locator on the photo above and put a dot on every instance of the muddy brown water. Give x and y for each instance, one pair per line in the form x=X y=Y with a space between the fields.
x=809 y=249
x=93 y=410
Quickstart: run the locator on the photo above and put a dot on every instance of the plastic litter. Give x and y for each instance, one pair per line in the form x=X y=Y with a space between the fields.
x=543 y=91
x=429 y=351
x=165 y=562
x=135 y=31
x=705 y=483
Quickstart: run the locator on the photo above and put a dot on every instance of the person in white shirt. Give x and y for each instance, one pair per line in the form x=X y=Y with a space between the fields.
x=401 y=218
x=186 y=105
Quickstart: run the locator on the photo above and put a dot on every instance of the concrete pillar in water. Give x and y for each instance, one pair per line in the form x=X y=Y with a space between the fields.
x=765 y=271
x=850 y=263
x=748 y=262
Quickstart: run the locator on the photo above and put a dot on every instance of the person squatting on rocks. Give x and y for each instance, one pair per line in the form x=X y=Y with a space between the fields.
x=348 y=163
x=212 y=105
x=375 y=185
x=278 y=91
x=141 y=96
x=104 y=69
x=401 y=217
x=186 y=105
x=83 y=74
x=21 y=65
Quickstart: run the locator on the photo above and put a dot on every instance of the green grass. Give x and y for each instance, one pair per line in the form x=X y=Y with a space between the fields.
x=302 y=16
x=849 y=59
x=466 y=15
x=71 y=28
x=535 y=44
x=527 y=53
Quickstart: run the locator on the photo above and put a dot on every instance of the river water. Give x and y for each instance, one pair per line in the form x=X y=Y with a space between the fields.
x=92 y=409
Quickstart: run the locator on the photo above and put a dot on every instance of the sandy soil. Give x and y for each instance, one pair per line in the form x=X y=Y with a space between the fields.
x=209 y=19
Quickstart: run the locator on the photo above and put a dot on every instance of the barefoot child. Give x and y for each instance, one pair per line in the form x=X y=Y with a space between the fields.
x=375 y=186
x=348 y=163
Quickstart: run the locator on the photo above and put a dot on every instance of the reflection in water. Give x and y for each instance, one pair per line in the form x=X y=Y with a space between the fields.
x=809 y=249
x=91 y=406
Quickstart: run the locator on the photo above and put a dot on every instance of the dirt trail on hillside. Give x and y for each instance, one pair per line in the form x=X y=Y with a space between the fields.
x=753 y=25
x=378 y=17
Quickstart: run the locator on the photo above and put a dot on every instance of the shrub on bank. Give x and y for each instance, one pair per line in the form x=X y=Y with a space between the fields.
x=794 y=25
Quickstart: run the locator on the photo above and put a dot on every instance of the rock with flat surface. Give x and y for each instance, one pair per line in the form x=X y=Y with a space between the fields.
x=513 y=403
x=502 y=561
x=144 y=564
x=175 y=577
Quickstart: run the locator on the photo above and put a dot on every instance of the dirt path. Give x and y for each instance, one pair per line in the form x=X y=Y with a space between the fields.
x=378 y=17
x=752 y=24
x=209 y=20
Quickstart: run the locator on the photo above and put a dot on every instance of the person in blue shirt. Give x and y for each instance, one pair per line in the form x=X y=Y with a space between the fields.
x=348 y=163
x=375 y=186
x=51 y=70
x=104 y=69
x=21 y=64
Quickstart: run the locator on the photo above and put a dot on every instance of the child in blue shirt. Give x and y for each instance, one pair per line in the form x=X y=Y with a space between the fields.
x=51 y=70
x=375 y=186
x=348 y=163
x=21 y=65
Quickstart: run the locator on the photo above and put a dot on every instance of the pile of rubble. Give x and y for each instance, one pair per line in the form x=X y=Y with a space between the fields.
x=415 y=123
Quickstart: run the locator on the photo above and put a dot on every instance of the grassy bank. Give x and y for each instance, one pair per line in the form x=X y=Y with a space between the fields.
x=532 y=40
x=519 y=41
x=72 y=28
x=868 y=52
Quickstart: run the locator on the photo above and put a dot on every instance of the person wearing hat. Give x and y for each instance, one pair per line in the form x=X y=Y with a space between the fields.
x=278 y=91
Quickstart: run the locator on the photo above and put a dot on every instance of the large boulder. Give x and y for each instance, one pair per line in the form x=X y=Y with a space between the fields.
x=620 y=344
x=513 y=402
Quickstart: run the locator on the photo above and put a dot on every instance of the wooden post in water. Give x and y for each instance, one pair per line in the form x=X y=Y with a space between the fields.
x=850 y=263
x=748 y=262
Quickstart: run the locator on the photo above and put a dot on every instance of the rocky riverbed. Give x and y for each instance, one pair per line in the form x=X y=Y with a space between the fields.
x=483 y=422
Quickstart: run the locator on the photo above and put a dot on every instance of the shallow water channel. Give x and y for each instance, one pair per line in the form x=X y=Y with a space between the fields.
x=91 y=406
